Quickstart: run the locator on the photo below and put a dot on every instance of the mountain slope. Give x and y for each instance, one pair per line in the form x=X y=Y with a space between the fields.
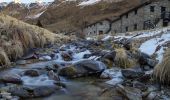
x=70 y=15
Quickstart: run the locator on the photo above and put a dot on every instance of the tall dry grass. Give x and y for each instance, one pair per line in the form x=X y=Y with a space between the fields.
x=16 y=37
x=161 y=72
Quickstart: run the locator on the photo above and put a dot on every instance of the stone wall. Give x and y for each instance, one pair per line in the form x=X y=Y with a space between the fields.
x=94 y=29
x=116 y=26
x=134 y=20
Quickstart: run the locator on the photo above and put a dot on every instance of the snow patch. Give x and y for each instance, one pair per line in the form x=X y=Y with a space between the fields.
x=89 y=2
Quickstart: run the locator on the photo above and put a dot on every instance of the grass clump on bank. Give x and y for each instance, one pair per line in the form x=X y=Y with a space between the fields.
x=162 y=71
x=16 y=37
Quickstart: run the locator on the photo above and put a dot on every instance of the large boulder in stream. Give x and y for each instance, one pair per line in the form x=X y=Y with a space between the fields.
x=83 y=68
x=11 y=78
x=32 y=92
x=31 y=72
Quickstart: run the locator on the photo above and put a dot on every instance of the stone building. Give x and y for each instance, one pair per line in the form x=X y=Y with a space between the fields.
x=99 y=27
x=148 y=15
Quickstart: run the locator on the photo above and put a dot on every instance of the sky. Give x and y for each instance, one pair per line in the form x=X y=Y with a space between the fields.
x=26 y=1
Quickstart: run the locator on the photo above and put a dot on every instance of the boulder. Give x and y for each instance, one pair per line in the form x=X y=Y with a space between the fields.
x=53 y=76
x=31 y=72
x=43 y=91
x=131 y=73
x=66 y=56
x=110 y=56
x=139 y=85
x=11 y=78
x=82 y=68
x=21 y=62
x=152 y=63
x=32 y=92
x=130 y=92
x=19 y=91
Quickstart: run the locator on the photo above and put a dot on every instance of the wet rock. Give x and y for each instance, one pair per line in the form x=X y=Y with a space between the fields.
x=111 y=73
x=19 y=91
x=82 y=68
x=152 y=63
x=43 y=91
x=139 y=85
x=30 y=56
x=131 y=73
x=152 y=96
x=53 y=76
x=11 y=78
x=21 y=62
x=53 y=56
x=60 y=84
x=45 y=58
x=130 y=92
x=66 y=56
x=110 y=56
x=31 y=72
x=87 y=56
x=30 y=92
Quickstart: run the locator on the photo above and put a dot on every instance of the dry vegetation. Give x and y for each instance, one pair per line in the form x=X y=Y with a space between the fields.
x=162 y=71
x=16 y=37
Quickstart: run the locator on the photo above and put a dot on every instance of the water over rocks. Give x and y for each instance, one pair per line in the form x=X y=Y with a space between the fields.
x=56 y=69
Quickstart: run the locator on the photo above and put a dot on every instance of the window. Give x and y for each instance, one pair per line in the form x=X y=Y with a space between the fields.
x=136 y=12
x=135 y=26
x=126 y=15
x=100 y=32
x=94 y=31
x=163 y=9
x=115 y=31
x=152 y=8
x=126 y=29
x=101 y=23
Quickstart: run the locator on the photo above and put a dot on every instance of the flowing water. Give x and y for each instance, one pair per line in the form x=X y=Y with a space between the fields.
x=76 y=89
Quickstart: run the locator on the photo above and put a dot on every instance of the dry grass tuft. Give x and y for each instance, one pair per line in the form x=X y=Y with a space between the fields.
x=122 y=60
x=4 y=61
x=16 y=37
x=162 y=71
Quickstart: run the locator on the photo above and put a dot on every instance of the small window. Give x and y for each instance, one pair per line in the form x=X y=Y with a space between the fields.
x=115 y=31
x=136 y=12
x=127 y=29
x=163 y=9
x=100 y=32
x=152 y=8
x=127 y=15
x=135 y=26
x=94 y=31
x=101 y=23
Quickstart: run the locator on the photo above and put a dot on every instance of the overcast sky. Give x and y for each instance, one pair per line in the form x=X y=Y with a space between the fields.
x=25 y=1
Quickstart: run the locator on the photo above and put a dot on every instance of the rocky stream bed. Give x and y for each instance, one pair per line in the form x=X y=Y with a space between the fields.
x=82 y=70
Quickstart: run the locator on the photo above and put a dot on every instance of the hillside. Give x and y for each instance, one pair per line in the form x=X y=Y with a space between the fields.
x=70 y=15
x=16 y=37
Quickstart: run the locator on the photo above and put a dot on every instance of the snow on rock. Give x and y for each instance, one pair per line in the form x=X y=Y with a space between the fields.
x=81 y=54
x=107 y=38
x=150 y=46
x=115 y=75
x=89 y=2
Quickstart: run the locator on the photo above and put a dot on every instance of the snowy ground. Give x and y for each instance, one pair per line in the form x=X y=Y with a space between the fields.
x=150 y=46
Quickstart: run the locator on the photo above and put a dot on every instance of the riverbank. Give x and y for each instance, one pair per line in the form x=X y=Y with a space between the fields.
x=17 y=38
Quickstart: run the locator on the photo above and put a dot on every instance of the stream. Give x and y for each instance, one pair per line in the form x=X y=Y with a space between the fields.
x=83 y=88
